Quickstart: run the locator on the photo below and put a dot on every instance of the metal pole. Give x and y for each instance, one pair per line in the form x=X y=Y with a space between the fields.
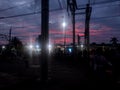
x=45 y=38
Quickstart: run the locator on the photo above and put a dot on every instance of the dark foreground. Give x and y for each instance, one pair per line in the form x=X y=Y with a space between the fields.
x=62 y=75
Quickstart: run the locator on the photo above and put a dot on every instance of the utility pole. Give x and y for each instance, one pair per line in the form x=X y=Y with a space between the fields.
x=73 y=6
x=87 y=22
x=10 y=36
x=45 y=39
x=73 y=22
x=78 y=37
x=64 y=41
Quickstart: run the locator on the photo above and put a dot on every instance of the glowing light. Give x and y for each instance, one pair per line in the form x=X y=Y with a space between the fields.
x=82 y=46
x=3 y=47
x=63 y=24
x=37 y=46
x=30 y=46
x=70 y=50
x=50 y=48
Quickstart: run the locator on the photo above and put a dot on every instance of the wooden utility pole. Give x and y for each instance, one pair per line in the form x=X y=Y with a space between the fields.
x=45 y=39
x=87 y=22
x=78 y=38
x=10 y=36
x=72 y=6
x=73 y=23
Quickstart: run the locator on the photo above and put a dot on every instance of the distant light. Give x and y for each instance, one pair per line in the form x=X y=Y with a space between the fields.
x=3 y=47
x=82 y=46
x=50 y=47
x=37 y=46
x=30 y=46
x=70 y=50
x=63 y=24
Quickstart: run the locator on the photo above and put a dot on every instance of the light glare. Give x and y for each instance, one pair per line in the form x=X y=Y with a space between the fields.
x=63 y=24
x=3 y=47
x=31 y=46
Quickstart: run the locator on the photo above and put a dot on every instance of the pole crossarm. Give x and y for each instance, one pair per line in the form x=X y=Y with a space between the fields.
x=72 y=7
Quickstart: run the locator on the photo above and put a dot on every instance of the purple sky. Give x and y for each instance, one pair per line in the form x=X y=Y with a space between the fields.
x=105 y=20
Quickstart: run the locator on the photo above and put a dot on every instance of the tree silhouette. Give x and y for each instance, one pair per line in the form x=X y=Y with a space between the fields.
x=16 y=43
x=39 y=39
x=114 y=40
x=93 y=43
x=103 y=44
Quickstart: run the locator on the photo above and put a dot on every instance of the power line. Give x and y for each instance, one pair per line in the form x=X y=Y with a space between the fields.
x=107 y=17
x=59 y=1
x=16 y=6
x=2 y=10
x=98 y=3
x=32 y=13
x=26 y=14
x=105 y=2
x=108 y=5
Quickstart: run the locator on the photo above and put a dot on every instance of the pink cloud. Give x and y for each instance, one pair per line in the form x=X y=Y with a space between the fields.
x=61 y=40
x=96 y=31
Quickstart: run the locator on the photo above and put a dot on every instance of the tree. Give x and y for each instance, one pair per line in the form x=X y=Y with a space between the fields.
x=39 y=39
x=17 y=44
x=94 y=43
x=16 y=41
x=103 y=44
x=114 y=40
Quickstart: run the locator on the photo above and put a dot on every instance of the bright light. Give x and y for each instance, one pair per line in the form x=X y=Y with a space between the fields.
x=30 y=46
x=37 y=46
x=3 y=47
x=63 y=24
x=70 y=50
x=81 y=45
x=49 y=47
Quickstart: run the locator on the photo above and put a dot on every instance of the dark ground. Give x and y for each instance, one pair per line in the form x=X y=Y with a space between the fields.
x=62 y=74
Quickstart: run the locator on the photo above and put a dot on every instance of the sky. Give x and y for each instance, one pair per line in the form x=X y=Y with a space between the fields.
x=104 y=23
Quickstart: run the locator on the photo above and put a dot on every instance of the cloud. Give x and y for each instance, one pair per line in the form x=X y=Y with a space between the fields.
x=100 y=29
